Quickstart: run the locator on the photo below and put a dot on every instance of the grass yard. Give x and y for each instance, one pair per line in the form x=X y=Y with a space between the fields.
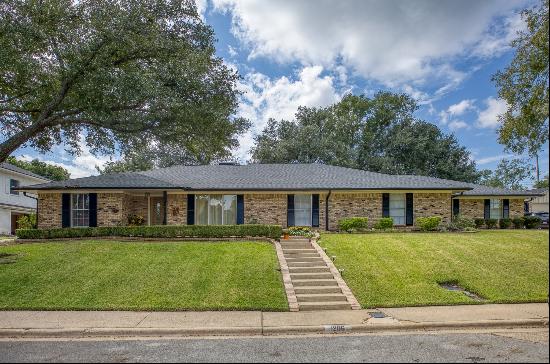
x=404 y=269
x=110 y=275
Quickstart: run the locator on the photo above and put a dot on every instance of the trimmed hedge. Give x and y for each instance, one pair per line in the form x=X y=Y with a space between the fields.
x=504 y=223
x=430 y=223
x=158 y=231
x=353 y=223
x=518 y=222
x=479 y=223
x=532 y=222
x=491 y=223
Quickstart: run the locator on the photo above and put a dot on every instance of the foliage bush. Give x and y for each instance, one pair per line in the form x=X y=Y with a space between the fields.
x=300 y=231
x=531 y=222
x=136 y=220
x=479 y=223
x=384 y=223
x=158 y=231
x=491 y=223
x=518 y=222
x=504 y=223
x=459 y=223
x=27 y=222
x=428 y=223
x=353 y=223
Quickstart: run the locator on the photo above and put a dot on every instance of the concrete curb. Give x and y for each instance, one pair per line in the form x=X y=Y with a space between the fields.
x=275 y=330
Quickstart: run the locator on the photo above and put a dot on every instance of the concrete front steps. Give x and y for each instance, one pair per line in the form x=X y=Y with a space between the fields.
x=313 y=282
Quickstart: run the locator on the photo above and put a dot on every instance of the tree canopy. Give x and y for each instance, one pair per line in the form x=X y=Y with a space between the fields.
x=523 y=84
x=509 y=174
x=119 y=74
x=378 y=134
x=49 y=171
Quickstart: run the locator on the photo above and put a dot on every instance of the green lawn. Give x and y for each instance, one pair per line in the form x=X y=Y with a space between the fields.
x=403 y=269
x=168 y=276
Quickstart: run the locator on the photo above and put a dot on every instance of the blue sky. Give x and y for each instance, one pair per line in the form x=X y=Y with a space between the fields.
x=304 y=52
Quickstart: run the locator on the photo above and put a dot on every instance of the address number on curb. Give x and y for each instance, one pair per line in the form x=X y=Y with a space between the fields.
x=337 y=329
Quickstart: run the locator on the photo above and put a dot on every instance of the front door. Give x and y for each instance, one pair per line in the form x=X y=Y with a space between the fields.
x=156 y=210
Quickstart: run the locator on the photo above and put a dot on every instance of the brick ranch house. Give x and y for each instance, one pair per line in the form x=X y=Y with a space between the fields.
x=285 y=194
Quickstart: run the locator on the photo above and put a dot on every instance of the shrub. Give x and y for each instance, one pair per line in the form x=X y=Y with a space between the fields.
x=459 y=223
x=27 y=222
x=428 y=223
x=158 y=231
x=384 y=223
x=136 y=220
x=518 y=222
x=479 y=223
x=504 y=223
x=531 y=222
x=491 y=223
x=300 y=231
x=356 y=223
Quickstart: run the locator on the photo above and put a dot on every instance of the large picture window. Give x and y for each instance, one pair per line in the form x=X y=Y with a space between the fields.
x=397 y=208
x=80 y=210
x=302 y=210
x=216 y=209
x=496 y=209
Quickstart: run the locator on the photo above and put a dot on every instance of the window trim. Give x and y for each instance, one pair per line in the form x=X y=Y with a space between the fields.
x=78 y=209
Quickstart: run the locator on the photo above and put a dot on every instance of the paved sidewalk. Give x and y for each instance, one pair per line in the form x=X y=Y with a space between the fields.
x=119 y=323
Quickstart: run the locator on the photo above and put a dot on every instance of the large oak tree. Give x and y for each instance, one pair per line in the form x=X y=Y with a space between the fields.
x=118 y=73
x=378 y=134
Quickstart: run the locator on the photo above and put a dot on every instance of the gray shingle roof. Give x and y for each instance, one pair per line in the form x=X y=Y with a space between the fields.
x=256 y=177
x=480 y=190
x=11 y=167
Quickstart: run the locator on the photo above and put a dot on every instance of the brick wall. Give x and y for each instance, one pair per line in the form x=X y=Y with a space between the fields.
x=49 y=210
x=343 y=205
x=432 y=204
x=176 y=209
x=474 y=208
x=265 y=208
x=137 y=205
x=112 y=209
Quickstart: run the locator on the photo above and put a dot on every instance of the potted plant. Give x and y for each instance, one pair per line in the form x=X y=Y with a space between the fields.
x=285 y=234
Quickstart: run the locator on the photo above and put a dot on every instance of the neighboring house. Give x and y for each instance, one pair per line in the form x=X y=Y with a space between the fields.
x=13 y=203
x=285 y=194
x=540 y=203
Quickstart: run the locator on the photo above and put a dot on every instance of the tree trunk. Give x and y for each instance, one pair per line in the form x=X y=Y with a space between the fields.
x=10 y=145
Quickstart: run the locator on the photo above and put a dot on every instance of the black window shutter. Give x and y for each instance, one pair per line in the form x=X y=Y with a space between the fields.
x=165 y=207
x=240 y=209
x=66 y=210
x=456 y=207
x=190 y=209
x=409 y=210
x=385 y=205
x=290 y=210
x=487 y=209
x=505 y=208
x=93 y=209
x=315 y=210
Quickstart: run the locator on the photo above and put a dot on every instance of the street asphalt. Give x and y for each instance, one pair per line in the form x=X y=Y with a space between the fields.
x=520 y=345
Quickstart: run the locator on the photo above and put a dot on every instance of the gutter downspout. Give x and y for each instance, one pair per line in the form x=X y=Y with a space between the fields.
x=326 y=209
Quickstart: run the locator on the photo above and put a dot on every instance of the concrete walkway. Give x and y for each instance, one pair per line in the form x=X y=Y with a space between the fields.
x=119 y=323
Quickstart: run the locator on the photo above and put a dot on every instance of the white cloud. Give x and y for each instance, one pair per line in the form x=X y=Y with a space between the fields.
x=79 y=166
x=266 y=98
x=488 y=117
x=458 y=109
x=487 y=160
x=457 y=125
x=461 y=107
x=393 y=42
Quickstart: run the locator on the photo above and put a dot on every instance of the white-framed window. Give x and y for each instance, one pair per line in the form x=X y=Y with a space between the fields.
x=397 y=208
x=80 y=210
x=216 y=209
x=302 y=210
x=14 y=184
x=495 y=211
